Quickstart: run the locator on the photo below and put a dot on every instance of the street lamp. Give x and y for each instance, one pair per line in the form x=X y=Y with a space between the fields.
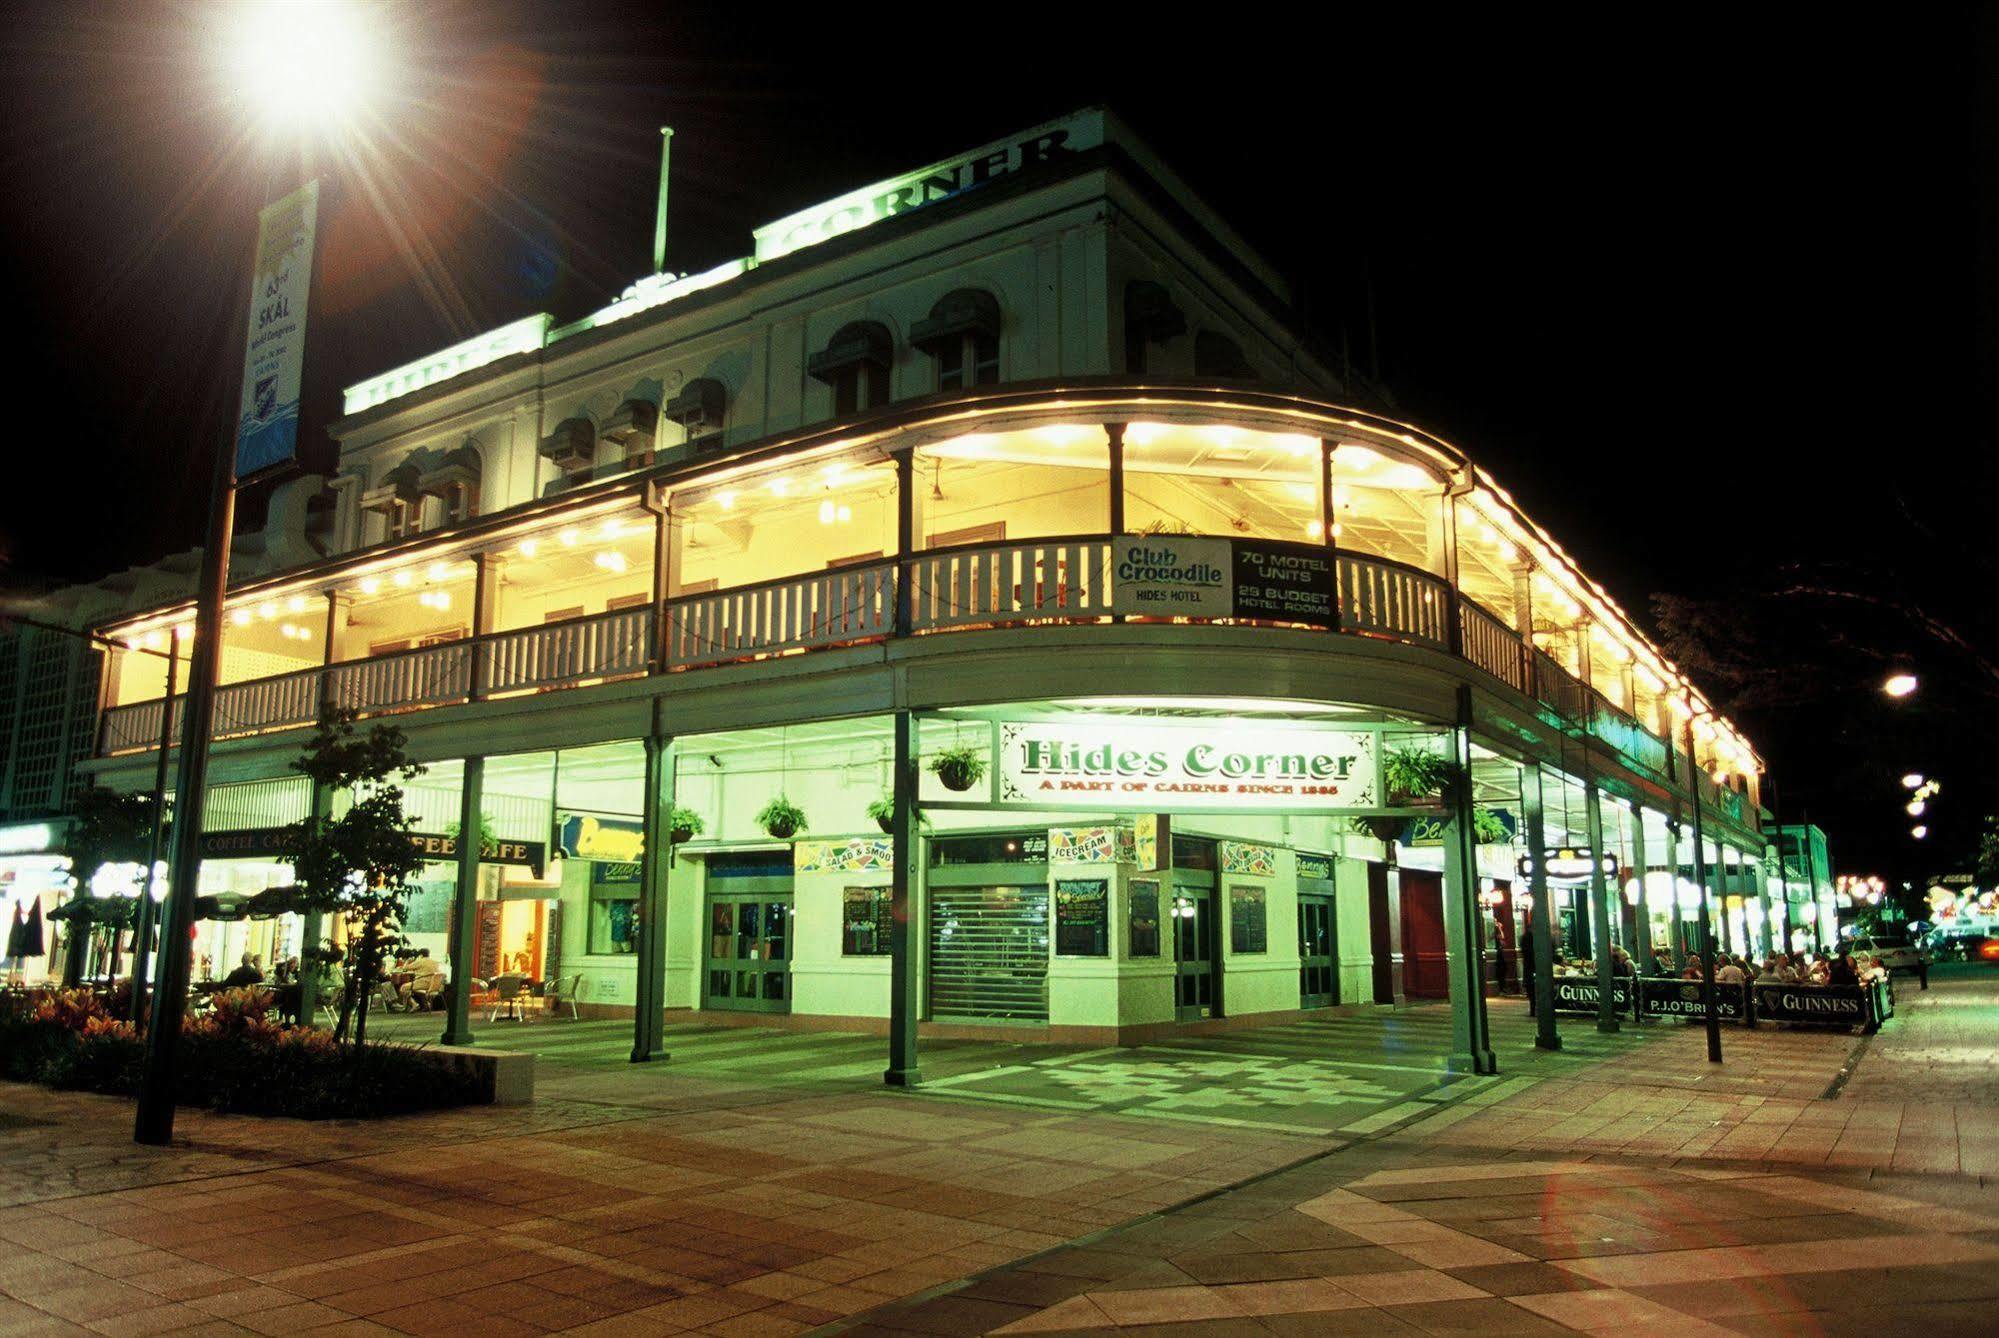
x=1899 y=684
x=1913 y=781
x=296 y=66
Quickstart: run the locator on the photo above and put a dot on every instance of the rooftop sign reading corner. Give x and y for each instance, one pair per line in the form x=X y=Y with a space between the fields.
x=927 y=185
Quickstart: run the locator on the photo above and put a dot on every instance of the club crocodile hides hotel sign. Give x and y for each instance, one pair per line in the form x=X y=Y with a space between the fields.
x=1175 y=576
x=1226 y=765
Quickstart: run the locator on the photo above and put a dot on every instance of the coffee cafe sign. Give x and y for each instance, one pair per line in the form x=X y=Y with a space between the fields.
x=1222 y=765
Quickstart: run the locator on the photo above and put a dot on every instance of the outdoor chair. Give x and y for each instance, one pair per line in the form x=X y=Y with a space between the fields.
x=507 y=997
x=562 y=993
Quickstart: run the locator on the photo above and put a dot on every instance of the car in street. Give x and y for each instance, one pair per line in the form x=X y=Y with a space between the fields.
x=1896 y=954
x=1963 y=945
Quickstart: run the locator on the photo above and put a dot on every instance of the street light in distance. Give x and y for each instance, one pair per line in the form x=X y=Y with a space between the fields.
x=1899 y=684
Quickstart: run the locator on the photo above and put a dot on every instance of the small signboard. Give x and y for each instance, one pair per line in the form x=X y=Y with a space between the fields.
x=1682 y=998
x=1289 y=583
x=1082 y=917
x=1581 y=994
x=1173 y=576
x=1818 y=1005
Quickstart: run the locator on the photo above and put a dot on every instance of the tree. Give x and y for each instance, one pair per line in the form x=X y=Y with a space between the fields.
x=362 y=864
x=109 y=828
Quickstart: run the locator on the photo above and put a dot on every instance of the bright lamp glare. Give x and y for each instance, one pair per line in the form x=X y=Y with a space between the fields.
x=1899 y=685
x=303 y=64
x=1913 y=781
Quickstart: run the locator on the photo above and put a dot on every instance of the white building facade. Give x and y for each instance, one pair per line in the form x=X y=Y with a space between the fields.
x=980 y=610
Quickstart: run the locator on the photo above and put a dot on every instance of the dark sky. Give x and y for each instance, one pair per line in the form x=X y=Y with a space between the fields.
x=1693 y=280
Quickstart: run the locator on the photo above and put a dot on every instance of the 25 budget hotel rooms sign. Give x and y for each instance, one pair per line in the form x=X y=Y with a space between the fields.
x=1231 y=764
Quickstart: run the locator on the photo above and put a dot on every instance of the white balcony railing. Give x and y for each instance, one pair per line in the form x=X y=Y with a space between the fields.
x=826 y=608
x=1051 y=580
x=1066 y=579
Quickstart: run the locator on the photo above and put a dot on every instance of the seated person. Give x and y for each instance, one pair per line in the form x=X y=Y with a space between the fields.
x=425 y=982
x=248 y=973
x=1730 y=973
x=1843 y=971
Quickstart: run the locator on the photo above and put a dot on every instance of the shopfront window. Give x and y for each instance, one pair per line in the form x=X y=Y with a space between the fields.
x=865 y=922
x=1217 y=479
x=785 y=522
x=999 y=487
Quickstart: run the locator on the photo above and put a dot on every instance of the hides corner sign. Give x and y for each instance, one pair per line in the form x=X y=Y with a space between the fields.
x=1173 y=576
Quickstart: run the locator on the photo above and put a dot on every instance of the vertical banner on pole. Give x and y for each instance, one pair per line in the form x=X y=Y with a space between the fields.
x=274 y=349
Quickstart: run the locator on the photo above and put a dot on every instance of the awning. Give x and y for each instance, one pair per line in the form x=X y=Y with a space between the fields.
x=958 y=313
x=854 y=343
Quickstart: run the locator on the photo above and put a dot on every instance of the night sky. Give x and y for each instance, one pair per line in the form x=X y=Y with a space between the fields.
x=1696 y=282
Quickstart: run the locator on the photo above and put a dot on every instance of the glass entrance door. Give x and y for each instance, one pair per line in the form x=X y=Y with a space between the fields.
x=1193 y=952
x=749 y=954
x=1318 y=981
x=989 y=953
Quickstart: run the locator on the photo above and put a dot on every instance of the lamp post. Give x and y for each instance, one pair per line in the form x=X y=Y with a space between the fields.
x=303 y=65
x=1706 y=921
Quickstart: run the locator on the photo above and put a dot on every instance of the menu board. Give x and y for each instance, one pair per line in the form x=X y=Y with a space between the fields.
x=1082 y=917
x=1249 y=919
x=1290 y=583
x=1144 y=937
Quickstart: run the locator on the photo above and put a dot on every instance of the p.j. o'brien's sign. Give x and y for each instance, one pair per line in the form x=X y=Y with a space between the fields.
x=1221 y=764
x=927 y=185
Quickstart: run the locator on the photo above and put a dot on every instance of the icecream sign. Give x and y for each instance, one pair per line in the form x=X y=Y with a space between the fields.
x=1230 y=765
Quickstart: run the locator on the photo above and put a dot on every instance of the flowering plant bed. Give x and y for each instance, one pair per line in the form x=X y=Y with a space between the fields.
x=230 y=1059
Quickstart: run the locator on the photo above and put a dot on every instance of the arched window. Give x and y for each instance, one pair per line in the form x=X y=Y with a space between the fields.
x=855 y=363
x=698 y=408
x=454 y=482
x=397 y=501
x=1150 y=317
x=962 y=336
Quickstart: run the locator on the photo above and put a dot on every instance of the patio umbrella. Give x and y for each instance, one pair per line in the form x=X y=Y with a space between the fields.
x=14 y=932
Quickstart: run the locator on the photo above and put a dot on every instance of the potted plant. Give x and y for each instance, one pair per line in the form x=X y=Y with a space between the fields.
x=960 y=767
x=882 y=811
x=1488 y=828
x=782 y=818
x=1413 y=777
x=683 y=825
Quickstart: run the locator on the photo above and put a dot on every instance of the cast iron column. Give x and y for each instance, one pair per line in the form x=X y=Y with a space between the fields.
x=902 y=980
x=655 y=863
x=1471 y=1032
x=1679 y=921
x=1606 y=974
x=1706 y=920
x=465 y=904
x=313 y=924
x=1642 y=959
x=1540 y=915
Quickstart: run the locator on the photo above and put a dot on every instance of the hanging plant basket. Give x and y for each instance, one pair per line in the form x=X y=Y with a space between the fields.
x=959 y=768
x=882 y=811
x=1386 y=830
x=1415 y=776
x=684 y=825
x=782 y=819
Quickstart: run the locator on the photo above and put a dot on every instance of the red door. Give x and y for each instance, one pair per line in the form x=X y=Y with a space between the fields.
x=1425 y=967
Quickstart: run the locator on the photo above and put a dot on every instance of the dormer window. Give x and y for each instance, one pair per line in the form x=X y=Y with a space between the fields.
x=855 y=364
x=698 y=409
x=633 y=428
x=572 y=447
x=455 y=485
x=397 y=501
x=1150 y=317
x=962 y=336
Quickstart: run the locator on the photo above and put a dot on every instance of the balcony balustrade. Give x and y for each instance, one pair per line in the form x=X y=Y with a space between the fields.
x=1039 y=581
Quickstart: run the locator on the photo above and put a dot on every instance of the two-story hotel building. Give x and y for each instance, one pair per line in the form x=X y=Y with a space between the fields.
x=1001 y=522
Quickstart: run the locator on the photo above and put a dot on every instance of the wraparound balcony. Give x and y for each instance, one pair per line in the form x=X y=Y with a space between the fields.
x=1065 y=580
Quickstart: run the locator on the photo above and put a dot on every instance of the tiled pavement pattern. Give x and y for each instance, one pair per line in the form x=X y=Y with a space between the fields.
x=1394 y=1238
x=1739 y=1222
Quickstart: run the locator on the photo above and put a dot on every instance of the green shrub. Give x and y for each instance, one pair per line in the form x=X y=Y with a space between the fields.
x=231 y=1059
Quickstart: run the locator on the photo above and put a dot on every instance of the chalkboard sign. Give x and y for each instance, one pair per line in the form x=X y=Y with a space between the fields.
x=1249 y=919
x=1082 y=917
x=1144 y=918
x=1291 y=583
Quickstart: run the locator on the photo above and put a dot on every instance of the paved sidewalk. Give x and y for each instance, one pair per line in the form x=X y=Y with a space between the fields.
x=1766 y=1205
